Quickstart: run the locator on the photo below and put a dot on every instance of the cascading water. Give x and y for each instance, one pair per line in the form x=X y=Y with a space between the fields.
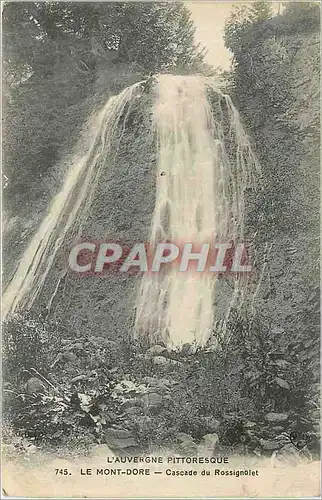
x=199 y=198
x=76 y=191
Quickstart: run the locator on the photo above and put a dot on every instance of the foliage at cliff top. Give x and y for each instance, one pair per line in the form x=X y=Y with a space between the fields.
x=254 y=21
x=279 y=104
x=58 y=56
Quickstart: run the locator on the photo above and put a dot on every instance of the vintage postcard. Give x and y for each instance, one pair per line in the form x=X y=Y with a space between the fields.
x=160 y=249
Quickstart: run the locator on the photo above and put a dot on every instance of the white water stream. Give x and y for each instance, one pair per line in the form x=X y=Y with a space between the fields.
x=74 y=195
x=199 y=198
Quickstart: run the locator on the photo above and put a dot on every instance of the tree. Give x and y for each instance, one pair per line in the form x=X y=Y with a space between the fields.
x=241 y=20
x=303 y=14
x=155 y=35
x=260 y=11
x=54 y=56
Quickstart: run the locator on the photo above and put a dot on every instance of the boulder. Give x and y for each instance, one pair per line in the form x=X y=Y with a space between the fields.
x=160 y=360
x=133 y=410
x=288 y=456
x=70 y=356
x=165 y=382
x=119 y=439
x=152 y=399
x=35 y=386
x=131 y=403
x=209 y=441
x=186 y=444
x=156 y=350
x=277 y=428
x=188 y=349
x=270 y=444
x=276 y=443
x=212 y=348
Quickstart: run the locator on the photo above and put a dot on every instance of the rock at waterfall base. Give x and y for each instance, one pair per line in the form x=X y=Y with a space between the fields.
x=209 y=441
x=119 y=439
x=152 y=399
x=156 y=350
x=186 y=444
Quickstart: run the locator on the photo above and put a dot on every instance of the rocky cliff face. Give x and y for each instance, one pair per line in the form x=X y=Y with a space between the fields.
x=121 y=211
x=277 y=88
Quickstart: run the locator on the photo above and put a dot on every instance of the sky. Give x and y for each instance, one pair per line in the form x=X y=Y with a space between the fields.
x=210 y=18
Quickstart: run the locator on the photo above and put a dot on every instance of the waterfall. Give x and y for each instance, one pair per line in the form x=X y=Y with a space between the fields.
x=74 y=195
x=199 y=198
x=204 y=166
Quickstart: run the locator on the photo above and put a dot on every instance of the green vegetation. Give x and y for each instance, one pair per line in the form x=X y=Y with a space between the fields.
x=64 y=386
x=60 y=59
x=275 y=84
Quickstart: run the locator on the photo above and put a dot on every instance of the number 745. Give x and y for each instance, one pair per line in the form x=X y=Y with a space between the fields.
x=62 y=472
